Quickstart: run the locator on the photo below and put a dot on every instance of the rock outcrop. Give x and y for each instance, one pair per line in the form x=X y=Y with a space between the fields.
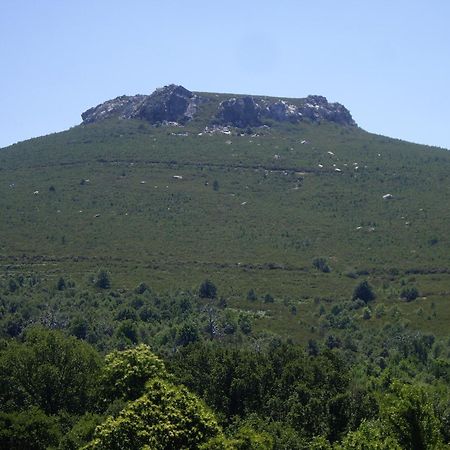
x=177 y=104
x=246 y=111
x=168 y=104
x=240 y=112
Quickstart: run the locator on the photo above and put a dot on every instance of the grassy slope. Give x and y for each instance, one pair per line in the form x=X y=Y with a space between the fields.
x=261 y=229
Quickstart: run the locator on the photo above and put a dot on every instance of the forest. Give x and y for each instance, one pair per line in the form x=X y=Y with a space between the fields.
x=139 y=369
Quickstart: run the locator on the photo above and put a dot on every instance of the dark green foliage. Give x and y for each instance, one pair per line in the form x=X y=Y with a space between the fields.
x=61 y=284
x=363 y=291
x=49 y=371
x=102 y=280
x=30 y=430
x=187 y=334
x=410 y=418
x=321 y=264
x=409 y=294
x=207 y=290
x=81 y=433
x=141 y=288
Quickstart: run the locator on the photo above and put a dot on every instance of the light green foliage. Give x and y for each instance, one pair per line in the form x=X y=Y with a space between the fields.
x=165 y=417
x=369 y=436
x=319 y=443
x=125 y=372
x=245 y=438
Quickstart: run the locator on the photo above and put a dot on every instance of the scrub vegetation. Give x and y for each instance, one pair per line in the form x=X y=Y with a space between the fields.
x=171 y=287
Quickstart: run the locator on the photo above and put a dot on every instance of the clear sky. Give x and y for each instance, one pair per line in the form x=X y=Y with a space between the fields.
x=387 y=61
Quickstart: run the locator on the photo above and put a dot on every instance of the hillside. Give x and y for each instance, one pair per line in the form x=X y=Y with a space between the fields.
x=249 y=207
x=199 y=270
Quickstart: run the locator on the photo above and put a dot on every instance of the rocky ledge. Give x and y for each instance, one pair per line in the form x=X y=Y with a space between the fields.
x=176 y=104
x=248 y=111
x=168 y=104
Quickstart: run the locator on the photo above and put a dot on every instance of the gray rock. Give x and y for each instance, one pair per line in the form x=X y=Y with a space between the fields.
x=240 y=112
x=175 y=104
x=168 y=104
x=317 y=108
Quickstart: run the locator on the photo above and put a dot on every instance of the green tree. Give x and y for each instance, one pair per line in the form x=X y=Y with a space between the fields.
x=164 y=417
x=363 y=291
x=370 y=435
x=50 y=371
x=125 y=372
x=409 y=415
x=207 y=290
x=31 y=430
x=102 y=281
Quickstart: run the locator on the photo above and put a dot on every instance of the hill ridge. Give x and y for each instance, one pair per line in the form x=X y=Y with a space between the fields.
x=175 y=104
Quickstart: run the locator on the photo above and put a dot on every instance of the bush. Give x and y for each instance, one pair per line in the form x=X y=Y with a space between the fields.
x=102 y=281
x=207 y=290
x=142 y=287
x=409 y=294
x=321 y=264
x=251 y=295
x=364 y=292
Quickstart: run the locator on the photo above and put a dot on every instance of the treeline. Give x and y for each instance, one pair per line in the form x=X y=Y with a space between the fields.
x=210 y=380
x=58 y=392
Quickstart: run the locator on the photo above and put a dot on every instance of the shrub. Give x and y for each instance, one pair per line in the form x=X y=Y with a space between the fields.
x=321 y=264
x=102 y=281
x=409 y=294
x=364 y=292
x=207 y=290
x=251 y=295
x=141 y=288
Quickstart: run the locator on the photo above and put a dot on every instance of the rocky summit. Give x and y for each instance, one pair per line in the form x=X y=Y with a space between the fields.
x=177 y=104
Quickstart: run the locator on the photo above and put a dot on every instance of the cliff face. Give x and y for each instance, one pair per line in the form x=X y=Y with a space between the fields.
x=176 y=104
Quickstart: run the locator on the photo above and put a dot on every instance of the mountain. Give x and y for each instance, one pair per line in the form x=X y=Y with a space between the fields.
x=288 y=197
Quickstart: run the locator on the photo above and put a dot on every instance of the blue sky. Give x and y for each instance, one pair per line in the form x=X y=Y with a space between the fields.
x=388 y=62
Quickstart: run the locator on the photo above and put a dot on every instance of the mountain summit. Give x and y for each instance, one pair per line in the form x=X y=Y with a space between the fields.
x=174 y=103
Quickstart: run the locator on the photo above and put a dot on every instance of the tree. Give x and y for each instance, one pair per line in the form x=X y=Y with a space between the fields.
x=207 y=290
x=30 y=429
x=164 y=417
x=369 y=436
x=49 y=371
x=102 y=281
x=363 y=291
x=410 y=417
x=61 y=284
x=125 y=372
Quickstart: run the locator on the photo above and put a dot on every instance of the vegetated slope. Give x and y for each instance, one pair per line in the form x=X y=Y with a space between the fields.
x=246 y=207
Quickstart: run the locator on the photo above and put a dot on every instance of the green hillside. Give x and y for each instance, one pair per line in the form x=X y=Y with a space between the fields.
x=290 y=275
x=174 y=205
